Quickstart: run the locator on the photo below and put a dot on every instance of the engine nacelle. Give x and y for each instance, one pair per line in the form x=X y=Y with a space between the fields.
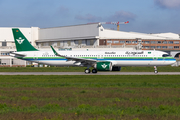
x=103 y=66
x=116 y=68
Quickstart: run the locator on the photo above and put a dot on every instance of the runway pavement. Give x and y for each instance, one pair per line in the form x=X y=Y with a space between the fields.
x=82 y=73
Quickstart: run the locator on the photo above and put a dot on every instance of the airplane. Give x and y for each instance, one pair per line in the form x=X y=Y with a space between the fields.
x=99 y=60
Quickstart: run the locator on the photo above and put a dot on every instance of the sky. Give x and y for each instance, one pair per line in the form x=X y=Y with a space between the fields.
x=145 y=16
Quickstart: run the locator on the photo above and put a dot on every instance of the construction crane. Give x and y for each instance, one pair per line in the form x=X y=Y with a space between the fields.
x=115 y=23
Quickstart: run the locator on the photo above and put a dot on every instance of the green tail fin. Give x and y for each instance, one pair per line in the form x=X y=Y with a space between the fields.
x=22 y=44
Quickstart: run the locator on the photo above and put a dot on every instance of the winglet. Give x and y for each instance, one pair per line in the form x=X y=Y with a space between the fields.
x=55 y=51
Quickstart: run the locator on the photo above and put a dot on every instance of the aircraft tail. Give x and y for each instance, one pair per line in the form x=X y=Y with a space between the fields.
x=22 y=44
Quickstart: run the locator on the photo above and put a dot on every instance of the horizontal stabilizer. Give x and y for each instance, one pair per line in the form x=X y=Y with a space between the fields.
x=17 y=54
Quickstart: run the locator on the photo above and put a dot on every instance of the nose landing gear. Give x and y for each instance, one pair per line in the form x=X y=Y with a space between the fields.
x=155 y=70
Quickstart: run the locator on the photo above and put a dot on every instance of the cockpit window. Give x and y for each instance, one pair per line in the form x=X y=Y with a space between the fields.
x=165 y=55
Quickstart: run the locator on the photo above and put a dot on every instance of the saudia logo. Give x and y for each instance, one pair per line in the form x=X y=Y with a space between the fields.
x=20 y=40
x=104 y=65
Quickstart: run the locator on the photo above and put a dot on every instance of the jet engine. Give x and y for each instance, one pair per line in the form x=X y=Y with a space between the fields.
x=103 y=66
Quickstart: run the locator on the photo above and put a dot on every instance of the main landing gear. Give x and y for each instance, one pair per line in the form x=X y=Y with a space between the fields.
x=155 y=70
x=87 y=71
x=94 y=70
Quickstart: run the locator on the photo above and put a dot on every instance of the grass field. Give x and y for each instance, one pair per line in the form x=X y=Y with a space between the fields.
x=131 y=97
x=81 y=69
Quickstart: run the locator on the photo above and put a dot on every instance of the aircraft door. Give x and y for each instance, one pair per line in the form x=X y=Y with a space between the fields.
x=155 y=58
x=35 y=55
x=100 y=56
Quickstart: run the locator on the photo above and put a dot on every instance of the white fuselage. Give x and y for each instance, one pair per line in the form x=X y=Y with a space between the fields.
x=118 y=58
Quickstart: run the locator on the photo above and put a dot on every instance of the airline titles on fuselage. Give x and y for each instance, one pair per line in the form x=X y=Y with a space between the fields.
x=134 y=53
x=127 y=52
x=110 y=52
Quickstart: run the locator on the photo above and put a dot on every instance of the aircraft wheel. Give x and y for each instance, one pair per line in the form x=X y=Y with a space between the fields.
x=87 y=71
x=155 y=71
x=94 y=70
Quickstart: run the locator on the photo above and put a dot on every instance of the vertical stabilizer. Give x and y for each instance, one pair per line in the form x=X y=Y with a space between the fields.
x=22 y=44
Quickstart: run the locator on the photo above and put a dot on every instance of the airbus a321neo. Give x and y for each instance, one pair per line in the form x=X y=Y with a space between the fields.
x=98 y=60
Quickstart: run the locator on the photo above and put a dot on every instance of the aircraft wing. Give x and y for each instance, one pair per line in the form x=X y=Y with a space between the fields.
x=83 y=61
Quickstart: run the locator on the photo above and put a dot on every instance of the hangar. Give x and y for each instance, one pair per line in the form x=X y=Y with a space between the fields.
x=86 y=36
x=94 y=35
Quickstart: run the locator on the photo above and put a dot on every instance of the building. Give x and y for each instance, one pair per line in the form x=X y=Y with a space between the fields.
x=87 y=36
x=7 y=45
